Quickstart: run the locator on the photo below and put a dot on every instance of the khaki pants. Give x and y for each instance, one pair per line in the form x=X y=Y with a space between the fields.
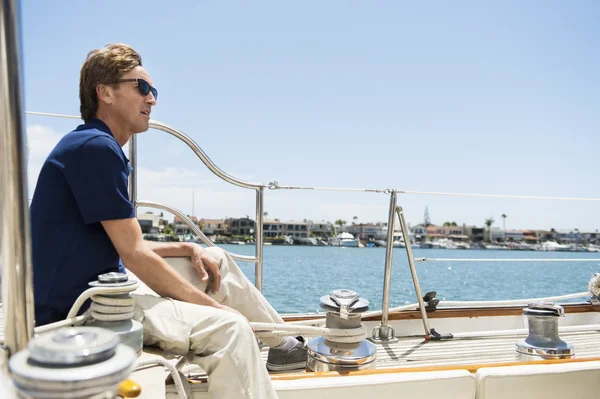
x=220 y=342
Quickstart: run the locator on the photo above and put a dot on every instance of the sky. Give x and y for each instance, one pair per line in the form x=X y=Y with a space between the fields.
x=450 y=96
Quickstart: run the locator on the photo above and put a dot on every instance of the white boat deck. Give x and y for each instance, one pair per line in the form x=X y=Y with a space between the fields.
x=418 y=353
x=415 y=352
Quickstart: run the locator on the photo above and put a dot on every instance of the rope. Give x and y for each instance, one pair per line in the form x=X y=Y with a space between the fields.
x=62 y=323
x=373 y=313
x=340 y=335
x=109 y=295
x=276 y=186
x=112 y=307
x=172 y=370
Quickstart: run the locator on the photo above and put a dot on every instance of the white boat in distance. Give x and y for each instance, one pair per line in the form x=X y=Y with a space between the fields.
x=553 y=246
x=344 y=240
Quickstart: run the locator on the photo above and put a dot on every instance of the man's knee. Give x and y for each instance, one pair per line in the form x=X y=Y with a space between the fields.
x=228 y=330
x=236 y=323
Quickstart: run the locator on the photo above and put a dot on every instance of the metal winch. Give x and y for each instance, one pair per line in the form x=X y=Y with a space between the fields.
x=344 y=308
x=72 y=363
x=114 y=311
x=543 y=341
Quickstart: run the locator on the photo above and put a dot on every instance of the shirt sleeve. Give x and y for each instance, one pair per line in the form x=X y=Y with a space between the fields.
x=97 y=175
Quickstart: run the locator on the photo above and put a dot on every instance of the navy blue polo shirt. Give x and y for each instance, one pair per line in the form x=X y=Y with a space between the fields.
x=82 y=182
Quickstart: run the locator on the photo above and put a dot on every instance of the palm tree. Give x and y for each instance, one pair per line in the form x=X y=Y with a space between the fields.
x=504 y=221
x=265 y=214
x=355 y=218
x=340 y=222
x=489 y=222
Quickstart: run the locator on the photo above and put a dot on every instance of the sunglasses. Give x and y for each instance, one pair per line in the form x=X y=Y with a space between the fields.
x=143 y=87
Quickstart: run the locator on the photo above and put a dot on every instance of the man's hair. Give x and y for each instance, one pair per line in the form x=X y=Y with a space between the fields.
x=103 y=66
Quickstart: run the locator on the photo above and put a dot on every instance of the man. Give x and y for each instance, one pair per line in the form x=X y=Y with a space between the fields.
x=83 y=224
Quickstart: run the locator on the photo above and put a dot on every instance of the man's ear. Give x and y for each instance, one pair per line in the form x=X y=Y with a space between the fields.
x=104 y=93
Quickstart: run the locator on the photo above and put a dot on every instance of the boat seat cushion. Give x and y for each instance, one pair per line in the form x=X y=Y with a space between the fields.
x=549 y=381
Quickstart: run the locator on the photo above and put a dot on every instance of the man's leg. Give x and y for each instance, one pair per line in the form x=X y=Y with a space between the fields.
x=222 y=344
x=236 y=290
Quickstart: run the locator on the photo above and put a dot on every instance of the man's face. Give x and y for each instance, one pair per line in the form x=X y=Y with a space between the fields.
x=130 y=108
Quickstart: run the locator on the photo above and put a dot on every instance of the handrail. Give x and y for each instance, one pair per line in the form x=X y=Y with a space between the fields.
x=15 y=248
x=413 y=272
x=189 y=222
x=205 y=159
x=258 y=259
x=258 y=267
x=274 y=185
x=133 y=174
x=192 y=225
x=384 y=331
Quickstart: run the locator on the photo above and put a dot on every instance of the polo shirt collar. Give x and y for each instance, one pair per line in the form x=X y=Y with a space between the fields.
x=96 y=123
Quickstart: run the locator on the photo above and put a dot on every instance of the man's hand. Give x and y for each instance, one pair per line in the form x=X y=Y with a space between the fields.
x=149 y=266
x=208 y=268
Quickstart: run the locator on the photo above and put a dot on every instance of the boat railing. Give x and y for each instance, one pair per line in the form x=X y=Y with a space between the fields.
x=384 y=331
x=257 y=187
x=395 y=216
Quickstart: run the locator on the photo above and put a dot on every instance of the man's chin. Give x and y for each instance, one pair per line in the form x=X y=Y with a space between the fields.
x=142 y=128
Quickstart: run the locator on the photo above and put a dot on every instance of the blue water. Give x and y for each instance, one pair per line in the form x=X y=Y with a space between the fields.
x=294 y=277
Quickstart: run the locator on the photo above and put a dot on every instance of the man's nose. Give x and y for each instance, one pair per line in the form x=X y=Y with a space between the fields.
x=150 y=99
